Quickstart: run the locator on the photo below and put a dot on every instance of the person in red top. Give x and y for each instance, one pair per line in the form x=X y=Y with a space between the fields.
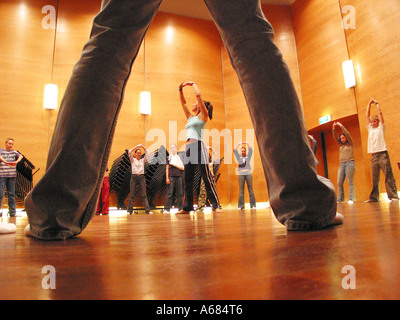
x=103 y=206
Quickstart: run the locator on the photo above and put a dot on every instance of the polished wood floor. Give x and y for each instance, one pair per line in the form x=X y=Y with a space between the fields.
x=233 y=255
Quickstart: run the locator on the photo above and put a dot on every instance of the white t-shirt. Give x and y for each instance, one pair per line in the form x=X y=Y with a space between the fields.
x=137 y=166
x=376 y=138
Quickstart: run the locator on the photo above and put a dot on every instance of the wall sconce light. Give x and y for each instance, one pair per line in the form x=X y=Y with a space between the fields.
x=145 y=96
x=50 y=96
x=145 y=102
x=349 y=74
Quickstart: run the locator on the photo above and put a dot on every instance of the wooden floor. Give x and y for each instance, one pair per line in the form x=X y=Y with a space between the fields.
x=231 y=256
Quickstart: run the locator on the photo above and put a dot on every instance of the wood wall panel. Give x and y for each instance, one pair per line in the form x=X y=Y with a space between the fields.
x=361 y=179
x=25 y=57
x=321 y=49
x=375 y=49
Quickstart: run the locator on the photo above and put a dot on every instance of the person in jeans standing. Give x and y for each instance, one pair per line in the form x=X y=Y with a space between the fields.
x=379 y=155
x=347 y=167
x=63 y=202
x=9 y=159
x=244 y=172
x=173 y=177
x=138 y=178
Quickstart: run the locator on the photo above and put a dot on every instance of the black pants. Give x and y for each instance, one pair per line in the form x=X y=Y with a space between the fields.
x=197 y=156
x=175 y=185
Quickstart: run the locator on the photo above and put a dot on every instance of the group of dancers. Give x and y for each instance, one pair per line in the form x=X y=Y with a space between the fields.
x=196 y=156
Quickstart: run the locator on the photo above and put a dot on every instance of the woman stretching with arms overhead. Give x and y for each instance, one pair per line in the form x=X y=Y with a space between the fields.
x=196 y=152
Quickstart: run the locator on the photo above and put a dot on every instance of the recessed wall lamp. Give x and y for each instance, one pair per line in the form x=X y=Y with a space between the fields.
x=145 y=96
x=145 y=102
x=349 y=74
x=50 y=98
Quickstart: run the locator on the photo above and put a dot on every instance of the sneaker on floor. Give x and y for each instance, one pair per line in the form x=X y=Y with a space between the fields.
x=27 y=231
x=6 y=228
x=339 y=219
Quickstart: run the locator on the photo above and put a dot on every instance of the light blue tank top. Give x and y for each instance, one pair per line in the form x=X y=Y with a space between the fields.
x=193 y=128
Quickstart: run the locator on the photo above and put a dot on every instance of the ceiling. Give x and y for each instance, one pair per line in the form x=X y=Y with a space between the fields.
x=198 y=9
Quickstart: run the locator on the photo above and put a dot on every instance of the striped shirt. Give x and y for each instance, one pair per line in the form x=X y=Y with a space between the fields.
x=9 y=156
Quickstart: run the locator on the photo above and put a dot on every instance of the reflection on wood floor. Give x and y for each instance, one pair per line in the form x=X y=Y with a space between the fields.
x=234 y=255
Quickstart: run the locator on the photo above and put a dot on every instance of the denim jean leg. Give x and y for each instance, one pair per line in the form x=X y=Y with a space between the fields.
x=350 y=172
x=340 y=179
x=132 y=191
x=390 y=181
x=143 y=192
x=241 y=191
x=375 y=168
x=249 y=180
x=12 y=205
x=300 y=199
x=64 y=200
x=2 y=188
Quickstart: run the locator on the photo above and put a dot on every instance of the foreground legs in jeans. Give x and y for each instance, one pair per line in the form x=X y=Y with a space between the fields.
x=300 y=199
x=64 y=200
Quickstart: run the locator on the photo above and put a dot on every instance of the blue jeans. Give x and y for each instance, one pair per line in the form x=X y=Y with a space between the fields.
x=138 y=180
x=10 y=184
x=346 y=169
x=248 y=178
x=63 y=202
